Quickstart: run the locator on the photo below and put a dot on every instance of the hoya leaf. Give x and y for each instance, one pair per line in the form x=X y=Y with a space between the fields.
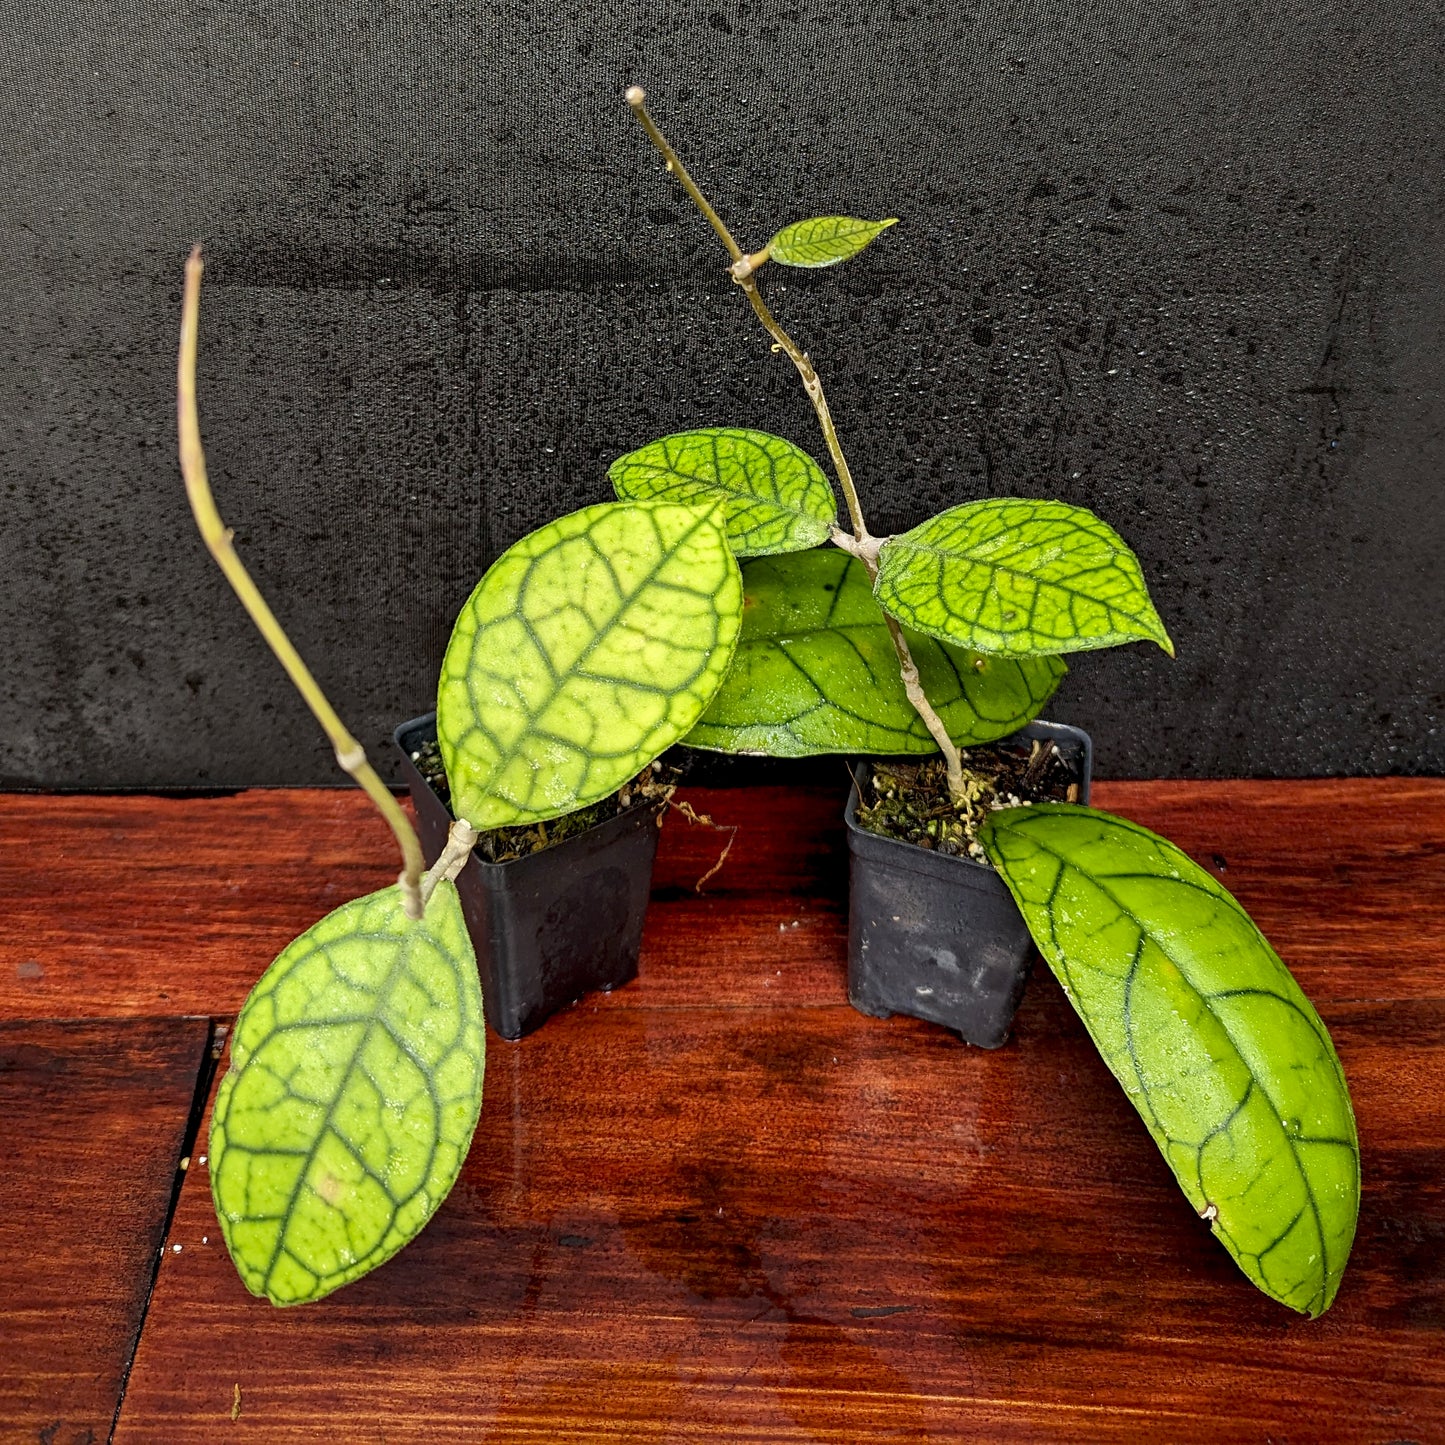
x=775 y=497
x=1213 y=1040
x=1018 y=577
x=824 y=240
x=816 y=672
x=354 y=1088
x=588 y=648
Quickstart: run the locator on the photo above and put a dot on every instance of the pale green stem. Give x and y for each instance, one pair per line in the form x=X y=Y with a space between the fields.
x=742 y=272
x=461 y=839
x=636 y=97
x=350 y=755
x=861 y=543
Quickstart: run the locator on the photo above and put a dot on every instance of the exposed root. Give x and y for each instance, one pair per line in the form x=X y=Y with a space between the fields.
x=721 y=859
x=693 y=816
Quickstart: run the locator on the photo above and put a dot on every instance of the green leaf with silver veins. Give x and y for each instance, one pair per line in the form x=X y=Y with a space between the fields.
x=1213 y=1040
x=824 y=240
x=353 y=1092
x=1018 y=577
x=816 y=672
x=775 y=497
x=589 y=647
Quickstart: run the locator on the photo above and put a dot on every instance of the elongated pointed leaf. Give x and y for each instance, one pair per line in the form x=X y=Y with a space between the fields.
x=588 y=648
x=824 y=240
x=1213 y=1040
x=1018 y=577
x=775 y=497
x=816 y=672
x=354 y=1088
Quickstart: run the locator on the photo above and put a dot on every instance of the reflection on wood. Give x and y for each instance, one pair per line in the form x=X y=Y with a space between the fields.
x=175 y=905
x=800 y=1224
x=719 y=1204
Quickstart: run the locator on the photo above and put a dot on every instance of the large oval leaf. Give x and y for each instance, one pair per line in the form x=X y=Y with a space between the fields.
x=816 y=672
x=354 y=1088
x=1203 y=1025
x=1018 y=577
x=775 y=497
x=588 y=648
x=824 y=240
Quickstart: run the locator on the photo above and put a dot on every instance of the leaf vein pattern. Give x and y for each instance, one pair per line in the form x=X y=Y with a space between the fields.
x=628 y=600
x=1275 y=1113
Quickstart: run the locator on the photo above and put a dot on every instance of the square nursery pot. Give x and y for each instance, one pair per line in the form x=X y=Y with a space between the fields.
x=552 y=926
x=936 y=937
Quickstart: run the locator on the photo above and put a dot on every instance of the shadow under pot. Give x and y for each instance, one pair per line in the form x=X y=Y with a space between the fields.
x=551 y=926
x=938 y=937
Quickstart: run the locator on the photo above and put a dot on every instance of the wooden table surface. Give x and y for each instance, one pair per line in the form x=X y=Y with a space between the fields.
x=718 y=1204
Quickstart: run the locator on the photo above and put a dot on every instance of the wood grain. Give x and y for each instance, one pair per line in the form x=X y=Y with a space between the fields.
x=175 y=905
x=798 y=1224
x=92 y=1117
x=141 y=905
x=721 y=1205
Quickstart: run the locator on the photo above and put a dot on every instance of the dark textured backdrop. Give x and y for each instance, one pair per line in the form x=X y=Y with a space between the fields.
x=1179 y=262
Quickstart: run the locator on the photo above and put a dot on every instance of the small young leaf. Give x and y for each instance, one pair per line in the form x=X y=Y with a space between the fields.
x=589 y=647
x=816 y=672
x=1018 y=577
x=1213 y=1040
x=354 y=1088
x=824 y=240
x=775 y=497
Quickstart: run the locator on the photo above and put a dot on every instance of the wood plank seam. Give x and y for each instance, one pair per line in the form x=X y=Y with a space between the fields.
x=219 y=1030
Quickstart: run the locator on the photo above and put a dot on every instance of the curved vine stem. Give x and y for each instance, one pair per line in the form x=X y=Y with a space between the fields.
x=743 y=272
x=862 y=544
x=350 y=755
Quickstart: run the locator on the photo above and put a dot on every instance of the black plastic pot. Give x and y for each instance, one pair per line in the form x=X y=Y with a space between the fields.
x=941 y=938
x=552 y=926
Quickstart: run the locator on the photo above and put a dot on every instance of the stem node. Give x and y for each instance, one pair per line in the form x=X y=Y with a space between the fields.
x=741 y=270
x=349 y=759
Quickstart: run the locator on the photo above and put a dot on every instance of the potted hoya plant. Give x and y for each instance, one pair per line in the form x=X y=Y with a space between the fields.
x=1210 y=1036
x=588 y=648
x=600 y=640
x=935 y=642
